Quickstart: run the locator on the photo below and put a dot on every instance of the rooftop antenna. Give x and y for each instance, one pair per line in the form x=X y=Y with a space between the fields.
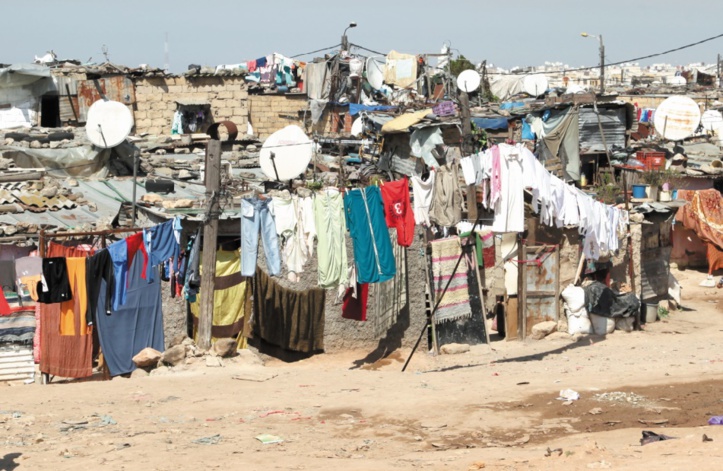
x=105 y=52
x=166 y=60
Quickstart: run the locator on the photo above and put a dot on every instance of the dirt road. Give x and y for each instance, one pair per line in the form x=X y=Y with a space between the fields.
x=491 y=408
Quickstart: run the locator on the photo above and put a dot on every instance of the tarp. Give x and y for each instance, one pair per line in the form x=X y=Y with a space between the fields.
x=84 y=161
x=603 y=301
x=505 y=86
x=19 y=75
x=403 y=122
x=355 y=108
x=562 y=140
x=490 y=123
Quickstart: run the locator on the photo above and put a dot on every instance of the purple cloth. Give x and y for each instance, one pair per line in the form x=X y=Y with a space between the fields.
x=716 y=420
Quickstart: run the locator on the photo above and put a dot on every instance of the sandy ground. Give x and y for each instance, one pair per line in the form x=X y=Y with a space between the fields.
x=490 y=408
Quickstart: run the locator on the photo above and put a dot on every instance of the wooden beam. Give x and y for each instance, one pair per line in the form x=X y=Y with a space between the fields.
x=210 y=235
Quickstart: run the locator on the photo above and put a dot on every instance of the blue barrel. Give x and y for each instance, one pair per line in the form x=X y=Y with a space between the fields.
x=639 y=191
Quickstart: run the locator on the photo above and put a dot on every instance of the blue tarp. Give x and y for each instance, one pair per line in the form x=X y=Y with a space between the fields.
x=511 y=105
x=355 y=108
x=490 y=123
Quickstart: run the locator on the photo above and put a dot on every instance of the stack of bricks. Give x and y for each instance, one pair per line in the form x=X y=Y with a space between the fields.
x=156 y=99
x=269 y=113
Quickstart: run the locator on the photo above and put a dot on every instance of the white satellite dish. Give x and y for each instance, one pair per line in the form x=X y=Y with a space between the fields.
x=375 y=73
x=534 y=85
x=285 y=154
x=677 y=117
x=676 y=80
x=357 y=127
x=712 y=120
x=108 y=123
x=468 y=81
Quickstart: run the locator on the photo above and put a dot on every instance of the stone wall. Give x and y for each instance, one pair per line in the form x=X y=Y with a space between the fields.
x=269 y=113
x=156 y=100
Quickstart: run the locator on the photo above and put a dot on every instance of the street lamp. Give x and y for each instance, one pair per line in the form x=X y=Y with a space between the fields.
x=602 y=59
x=344 y=40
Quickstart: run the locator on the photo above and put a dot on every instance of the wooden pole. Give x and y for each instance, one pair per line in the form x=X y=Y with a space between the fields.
x=467 y=150
x=210 y=234
x=631 y=262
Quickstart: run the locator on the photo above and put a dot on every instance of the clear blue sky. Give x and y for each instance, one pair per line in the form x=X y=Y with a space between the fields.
x=506 y=33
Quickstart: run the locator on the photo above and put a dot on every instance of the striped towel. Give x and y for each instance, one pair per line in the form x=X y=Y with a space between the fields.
x=455 y=301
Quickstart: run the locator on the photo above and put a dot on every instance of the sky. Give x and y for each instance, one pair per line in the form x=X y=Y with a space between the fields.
x=506 y=33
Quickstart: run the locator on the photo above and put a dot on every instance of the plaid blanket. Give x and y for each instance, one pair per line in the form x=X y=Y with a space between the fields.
x=454 y=303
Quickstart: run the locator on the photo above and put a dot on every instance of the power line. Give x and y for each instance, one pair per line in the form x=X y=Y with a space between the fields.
x=314 y=52
x=368 y=50
x=636 y=59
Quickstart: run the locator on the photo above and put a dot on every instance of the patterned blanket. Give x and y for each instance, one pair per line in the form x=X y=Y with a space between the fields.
x=454 y=303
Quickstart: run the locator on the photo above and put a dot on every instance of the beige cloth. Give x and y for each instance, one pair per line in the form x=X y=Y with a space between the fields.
x=446 y=207
x=401 y=69
x=403 y=122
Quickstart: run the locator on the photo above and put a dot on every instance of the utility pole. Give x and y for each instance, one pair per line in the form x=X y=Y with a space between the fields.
x=467 y=150
x=210 y=235
x=602 y=65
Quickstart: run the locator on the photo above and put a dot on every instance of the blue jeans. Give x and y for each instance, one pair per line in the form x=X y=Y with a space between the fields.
x=255 y=215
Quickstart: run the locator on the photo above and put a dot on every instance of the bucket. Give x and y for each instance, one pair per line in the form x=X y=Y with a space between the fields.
x=665 y=195
x=639 y=191
x=675 y=194
x=651 y=313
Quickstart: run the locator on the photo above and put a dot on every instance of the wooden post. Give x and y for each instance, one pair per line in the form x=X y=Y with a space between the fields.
x=210 y=234
x=467 y=150
x=521 y=289
x=631 y=262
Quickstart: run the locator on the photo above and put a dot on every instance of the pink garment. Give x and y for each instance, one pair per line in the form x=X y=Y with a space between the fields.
x=251 y=65
x=496 y=183
x=36 y=338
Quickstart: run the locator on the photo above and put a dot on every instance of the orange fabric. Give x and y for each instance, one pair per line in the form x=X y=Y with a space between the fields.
x=31 y=282
x=704 y=215
x=75 y=309
x=65 y=356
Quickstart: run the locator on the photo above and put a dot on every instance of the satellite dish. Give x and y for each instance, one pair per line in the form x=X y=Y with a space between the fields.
x=712 y=120
x=534 y=85
x=676 y=80
x=375 y=73
x=468 y=81
x=357 y=127
x=285 y=154
x=677 y=118
x=108 y=123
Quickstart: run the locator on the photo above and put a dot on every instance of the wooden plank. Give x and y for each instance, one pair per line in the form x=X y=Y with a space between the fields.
x=511 y=317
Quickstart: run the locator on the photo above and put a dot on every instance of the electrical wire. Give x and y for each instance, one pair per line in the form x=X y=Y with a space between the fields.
x=636 y=59
x=368 y=50
x=314 y=52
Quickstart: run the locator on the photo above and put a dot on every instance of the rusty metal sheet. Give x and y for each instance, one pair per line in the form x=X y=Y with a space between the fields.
x=118 y=88
x=541 y=275
x=231 y=130
x=655 y=267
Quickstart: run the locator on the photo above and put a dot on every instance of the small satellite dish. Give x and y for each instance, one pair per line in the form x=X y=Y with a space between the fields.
x=676 y=80
x=468 y=81
x=108 y=123
x=375 y=73
x=712 y=120
x=285 y=154
x=534 y=85
x=677 y=117
x=357 y=127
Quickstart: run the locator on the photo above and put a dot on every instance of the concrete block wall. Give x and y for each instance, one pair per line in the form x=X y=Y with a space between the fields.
x=269 y=113
x=156 y=100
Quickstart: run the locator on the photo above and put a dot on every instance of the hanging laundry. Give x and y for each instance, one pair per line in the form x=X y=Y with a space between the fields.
x=398 y=210
x=373 y=255
x=192 y=278
x=296 y=251
x=134 y=244
x=495 y=175
x=389 y=298
x=55 y=286
x=446 y=206
x=510 y=208
x=293 y=320
x=423 y=192
x=99 y=268
x=453 y=303
x=74 y=311
x=330 y=224
x=162 y=243
x=231 y=299
x=255 y=216
x=355 y=303
x=137 y=324
x=28 y=274
x=119 y=255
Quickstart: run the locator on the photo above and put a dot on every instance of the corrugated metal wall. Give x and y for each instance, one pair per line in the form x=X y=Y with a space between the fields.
x=68 y=98
x=118 y=88
x=16 y=363
x=613 y=122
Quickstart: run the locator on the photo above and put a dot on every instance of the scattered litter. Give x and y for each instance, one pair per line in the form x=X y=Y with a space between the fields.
x=476 y=465
x=523 y=383
x=595 y=411
x=613 y=422
x=650 y=437
x=716 y=420
x=549 y=451
x=619 y=396
x=706 y=438
x=254 y=375
x=107 y=420
x=120 y=446
x=212 y=440
x=267 y=439
x=654 y=422
x=569 y=395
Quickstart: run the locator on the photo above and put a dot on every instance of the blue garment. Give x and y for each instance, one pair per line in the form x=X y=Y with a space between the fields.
x=510 y=105
x=373 y=256
x=136 y=325
x=527 y=133
x=255 y=215
x=355 y=108
x=119 y=254
x=161 y=244
x=490 y=123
